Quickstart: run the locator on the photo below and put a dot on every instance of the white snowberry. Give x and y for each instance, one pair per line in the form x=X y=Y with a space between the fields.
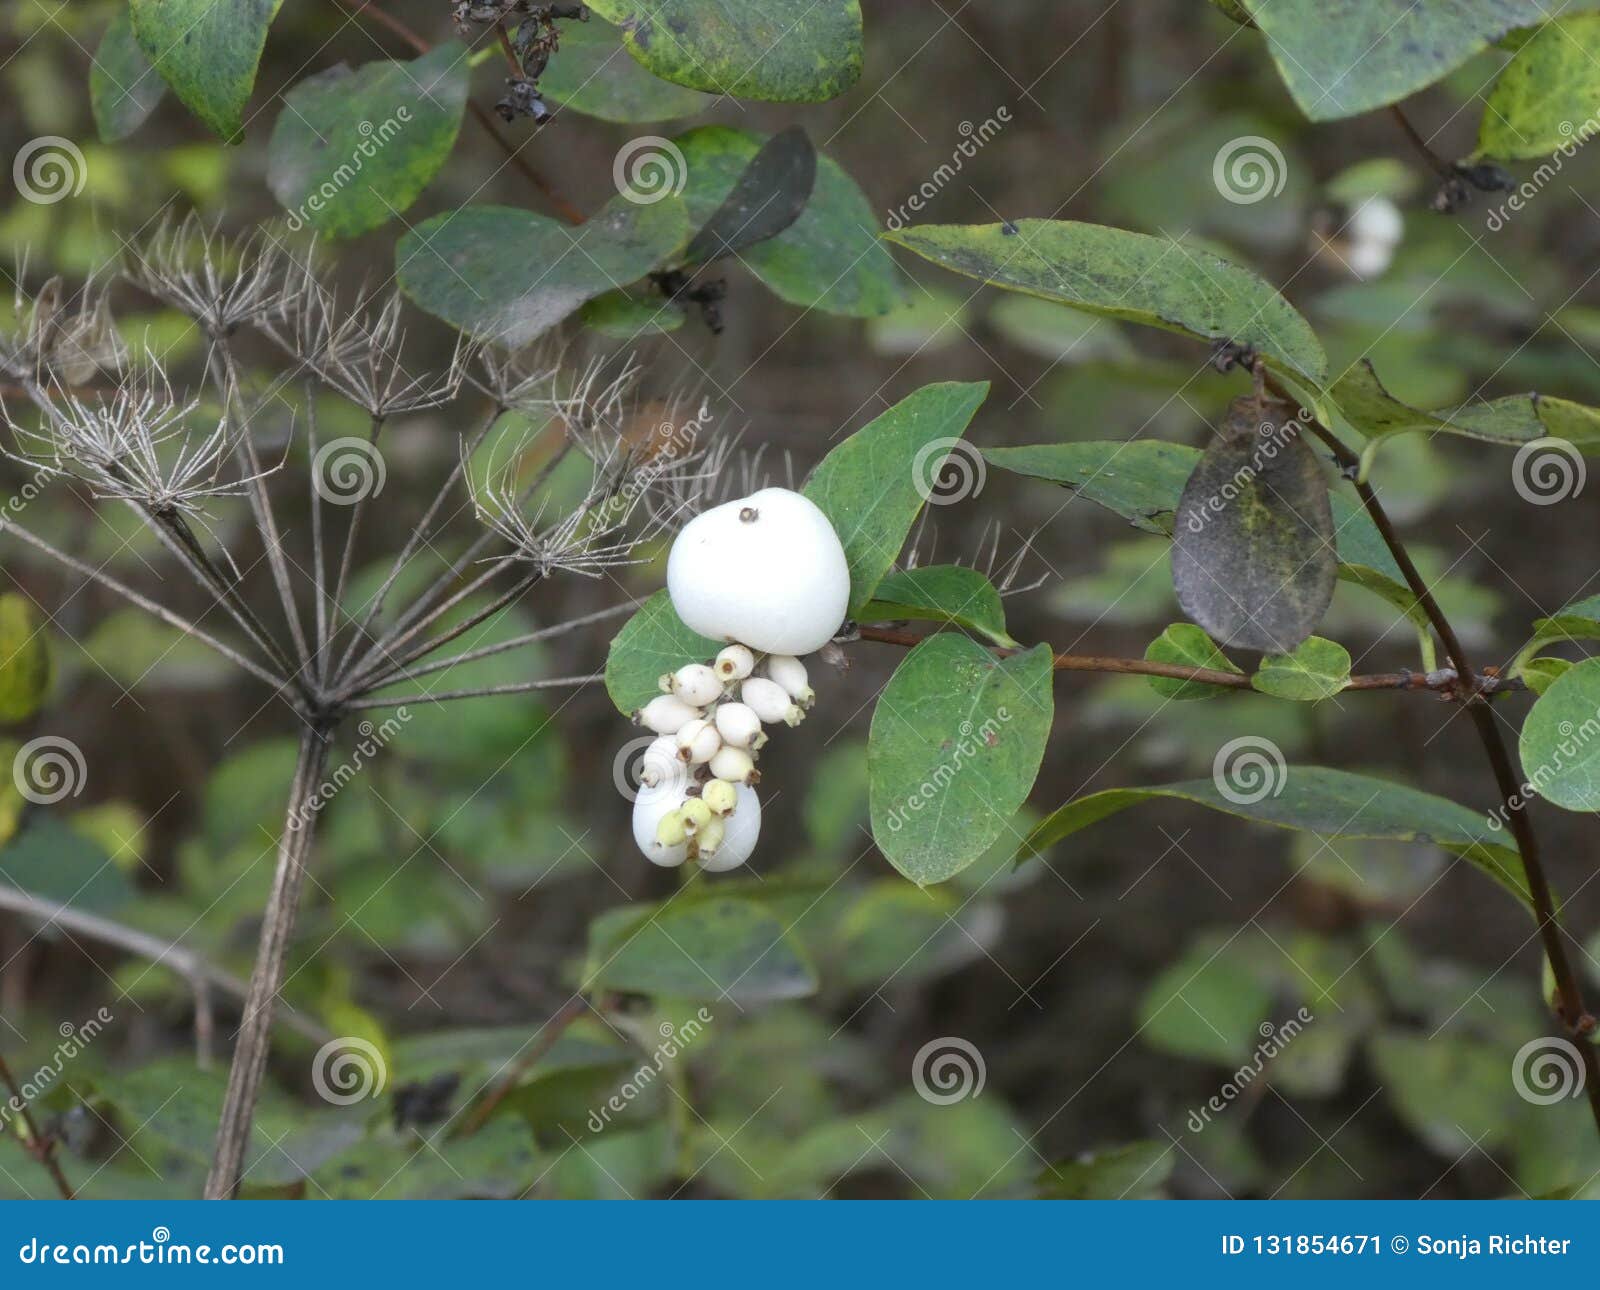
x=739 y=726
x=698 y=741
x=666 y=714
x=790 y=673
x=734 y=764
x=770 y=701
x=740 y=830
x=661 y=763
x=650 y=809
x=694 y=683
x=696 y=816
x=1377 y=219
x=767 y=571
x=734 y=664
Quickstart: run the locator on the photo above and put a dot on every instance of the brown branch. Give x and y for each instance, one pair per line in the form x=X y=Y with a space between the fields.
x=1440 y=166
x=553 y=1029
x=41 y=1148
x=1472 y=686
x=1443 y=682
x=368 y=9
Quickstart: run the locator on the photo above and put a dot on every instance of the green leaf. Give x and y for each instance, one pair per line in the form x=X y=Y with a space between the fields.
x=1549 y=89
x=767 y=197
x=1343 y=61
x=624 y=317
x=137 y=650
x=351 y=149
x=49 y=859
x=753 y=49
x=24 y=660
x=498 y=1162
x=1157 y=281
x=830 y=258
x=956 y=741
x=1208 y=1005
x=651 y=643
x=1331 y=803
x=1253 y=558
x=207 y=52
x=1316 y=669
x=589 y=75
x=719 y=948
x=1187 y=646
x=1137 y=1171
x=873 y=484
x=508 y=275
x=1541 y=673
x=1560 y=740
x=1451 y=1089
x=948 y=593
x=124 y=88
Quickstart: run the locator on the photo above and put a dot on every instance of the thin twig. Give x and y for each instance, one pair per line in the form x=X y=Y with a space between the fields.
x=41 y=1148
x=514 y=687
x=552 y=1030
x=188 y=964
x=1443 y=681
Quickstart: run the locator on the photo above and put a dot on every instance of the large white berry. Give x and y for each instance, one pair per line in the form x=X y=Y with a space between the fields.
x=767 y=571
x=770 y=701
x=739 y=726
x=650 y=808
x=666 y=714
x=1377 y=219
x=734 y=764
x=694 y=683
x=740 y=830
x=661 y=762
x=790 y=673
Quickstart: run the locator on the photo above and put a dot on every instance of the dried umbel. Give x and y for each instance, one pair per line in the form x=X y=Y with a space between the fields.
x=220 y=282
x=58 y=342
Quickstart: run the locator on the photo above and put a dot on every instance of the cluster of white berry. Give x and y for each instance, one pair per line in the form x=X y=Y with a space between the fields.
x=767 y=574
